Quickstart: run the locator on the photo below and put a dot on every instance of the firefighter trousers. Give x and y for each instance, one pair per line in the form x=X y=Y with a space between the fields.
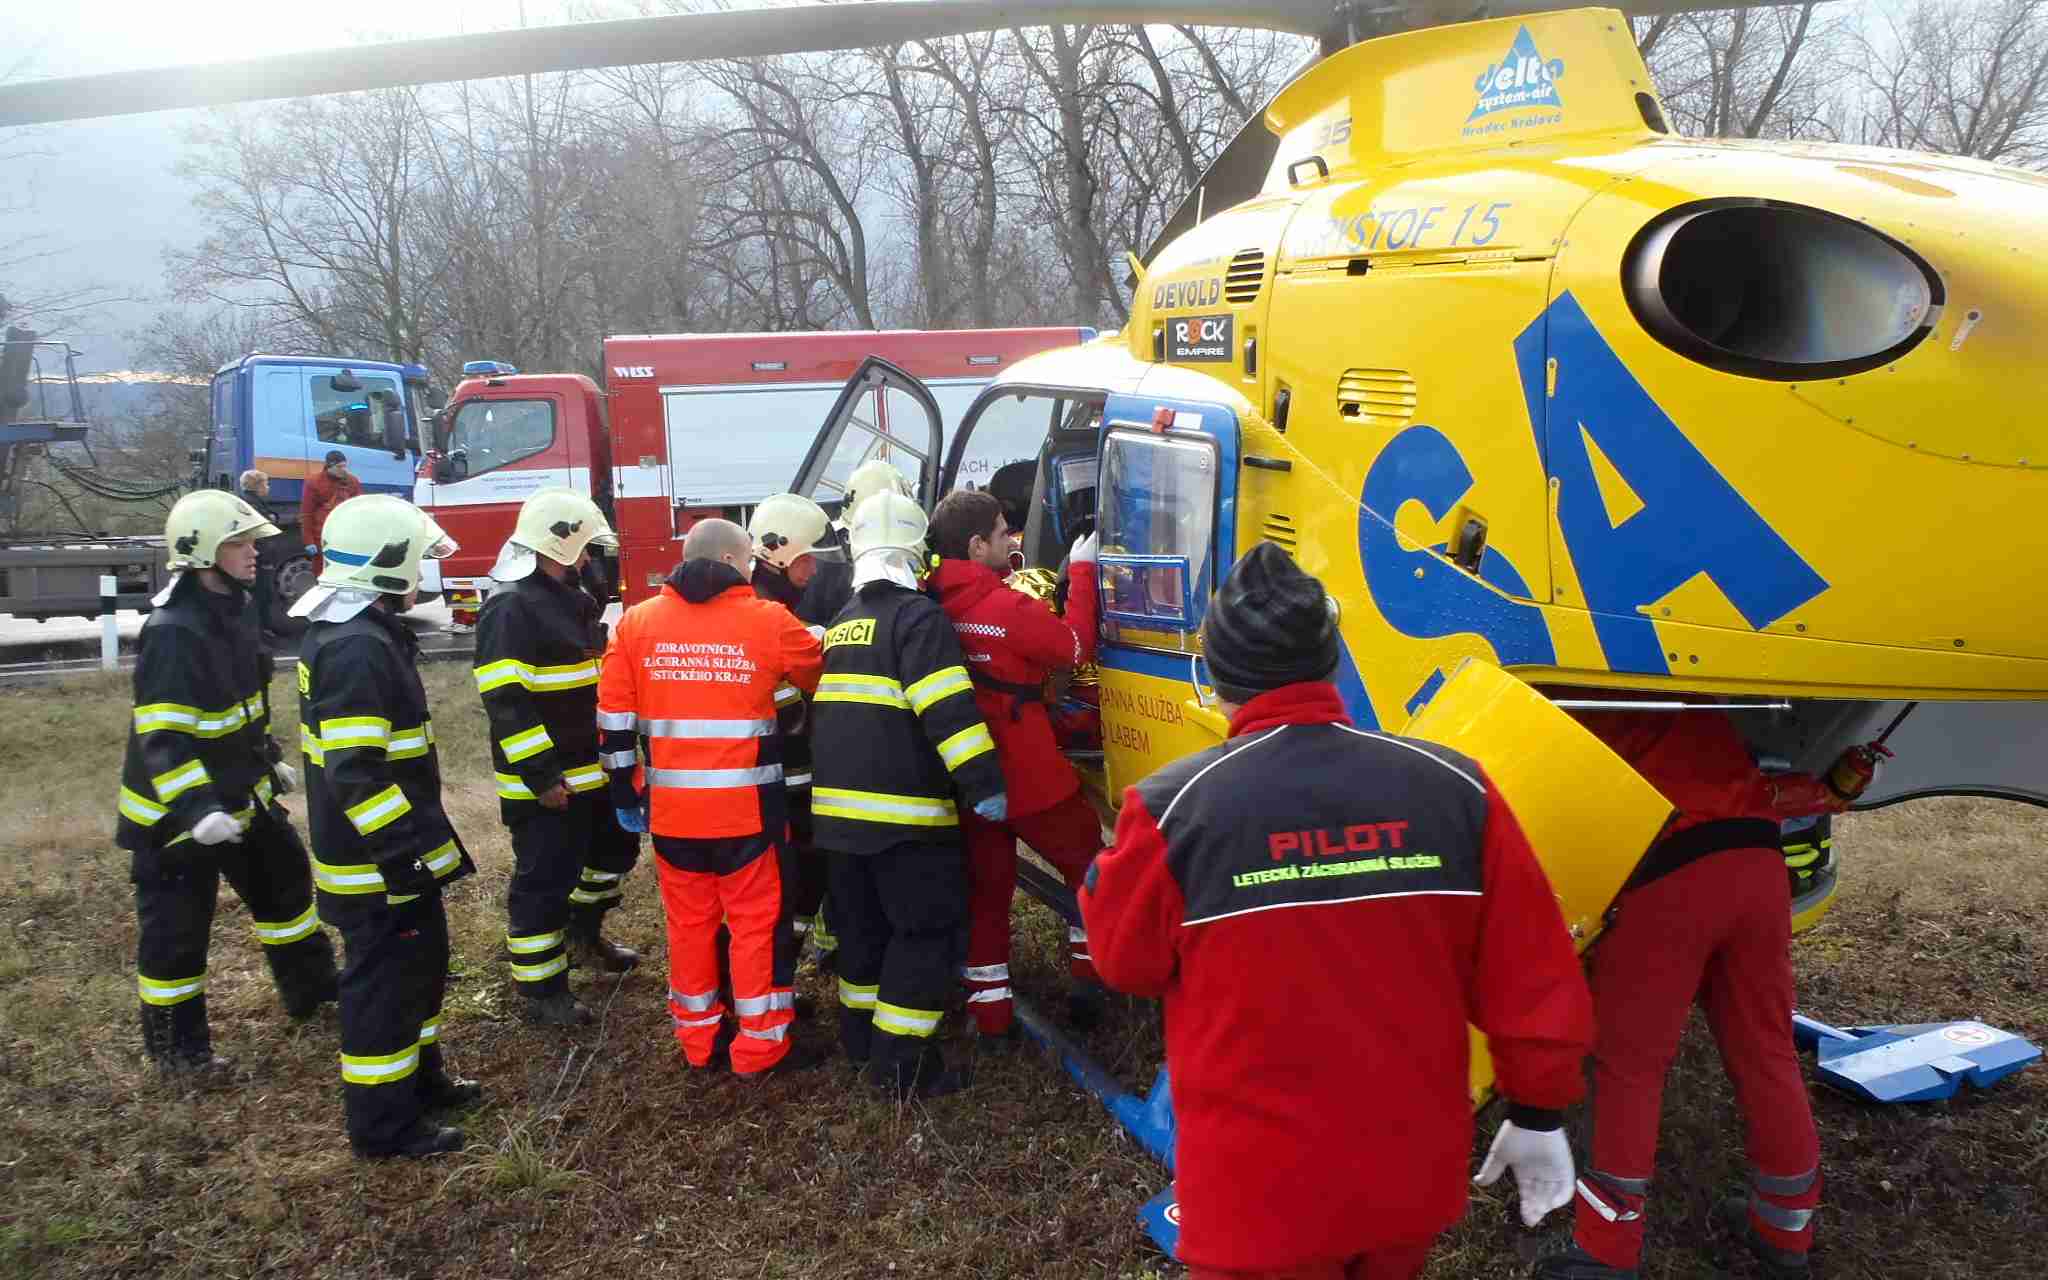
x=1717 y=932
x=806 y=902
x=899 y=916
x=1068 y=835
x=175 y=894
x=739 y=881
x=392 y=981
x=564 y=861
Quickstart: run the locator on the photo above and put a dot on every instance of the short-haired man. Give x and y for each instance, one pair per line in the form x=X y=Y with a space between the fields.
x=1012 y=643
x=256 y=492
x=325 y=490
x=1324 y=911
x=691 y=676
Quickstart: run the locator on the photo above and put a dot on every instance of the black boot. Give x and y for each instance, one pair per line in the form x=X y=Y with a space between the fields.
x=424 y=1139
x=1574 y=1263
x=440 y=1091
x=305 y=974
x=1732 y=1213
x=905 y=1067
x=180 y=1043
x=801 y=1057
x=590 y=949
x=556 y=1008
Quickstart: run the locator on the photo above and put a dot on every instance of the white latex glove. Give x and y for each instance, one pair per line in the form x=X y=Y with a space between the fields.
x=217 y=827
x=1542 y=1162
x=287 y=778
x=1083 y=551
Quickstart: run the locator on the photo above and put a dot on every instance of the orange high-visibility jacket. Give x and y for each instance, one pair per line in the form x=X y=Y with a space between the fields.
x=693 y=673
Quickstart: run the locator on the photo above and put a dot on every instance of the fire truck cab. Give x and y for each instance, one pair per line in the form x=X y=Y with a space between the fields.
x=693 y=425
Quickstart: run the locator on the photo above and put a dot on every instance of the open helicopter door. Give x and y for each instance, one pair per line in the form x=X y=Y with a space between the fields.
x=882 y=413
x=1166 y=514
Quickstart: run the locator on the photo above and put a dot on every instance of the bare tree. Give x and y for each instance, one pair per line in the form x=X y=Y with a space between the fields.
x=1963 y=77
x=1744 y=73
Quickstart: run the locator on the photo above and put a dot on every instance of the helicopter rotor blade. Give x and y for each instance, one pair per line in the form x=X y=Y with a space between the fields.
x=683 y=37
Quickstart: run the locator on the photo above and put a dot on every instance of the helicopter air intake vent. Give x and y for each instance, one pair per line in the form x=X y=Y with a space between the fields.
x=1247 y=272
x=1376 y=397
x=1771 y=290
x=1280 y=529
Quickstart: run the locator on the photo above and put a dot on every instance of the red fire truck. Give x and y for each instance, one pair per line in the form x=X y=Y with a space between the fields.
x=695 y=425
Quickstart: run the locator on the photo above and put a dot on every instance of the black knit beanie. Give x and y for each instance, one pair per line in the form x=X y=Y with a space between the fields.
x=1270 y=625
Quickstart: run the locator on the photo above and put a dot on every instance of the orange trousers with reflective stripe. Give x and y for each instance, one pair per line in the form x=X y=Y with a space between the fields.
x=749 y=902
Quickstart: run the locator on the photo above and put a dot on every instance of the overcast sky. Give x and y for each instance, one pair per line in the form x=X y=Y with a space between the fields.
x=105 y=202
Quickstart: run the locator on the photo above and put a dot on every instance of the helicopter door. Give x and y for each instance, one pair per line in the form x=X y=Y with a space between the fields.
x=1166 y=516
x=884 y=413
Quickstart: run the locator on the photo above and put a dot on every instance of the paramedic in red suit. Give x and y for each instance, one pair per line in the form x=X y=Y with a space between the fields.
x=1324 y=910
x=1705 y=920
x=1012 y=642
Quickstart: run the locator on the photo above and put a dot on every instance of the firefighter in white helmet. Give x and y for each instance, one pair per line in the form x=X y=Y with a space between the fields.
x=383 y=847
x=198 y=786
x=896 y=738
x=800 y=564
x=877 y=475
x=537 y=651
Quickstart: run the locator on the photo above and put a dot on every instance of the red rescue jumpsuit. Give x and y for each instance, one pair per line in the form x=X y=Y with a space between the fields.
x=1012 y=642
x=1706 y=921
x=323 y=493
x=692 y=674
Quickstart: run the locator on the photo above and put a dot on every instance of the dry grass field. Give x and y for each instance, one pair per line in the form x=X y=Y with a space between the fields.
x=594 y=1155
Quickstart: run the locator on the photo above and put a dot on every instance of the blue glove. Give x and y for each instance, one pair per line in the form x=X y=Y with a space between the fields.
x=312 y=550
x=633 y=819
x=994 y=809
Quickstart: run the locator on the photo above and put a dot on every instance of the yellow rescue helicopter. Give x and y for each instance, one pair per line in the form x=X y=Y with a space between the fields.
x=1550 y=398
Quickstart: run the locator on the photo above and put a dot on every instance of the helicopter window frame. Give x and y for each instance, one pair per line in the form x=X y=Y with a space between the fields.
x=1172 y=603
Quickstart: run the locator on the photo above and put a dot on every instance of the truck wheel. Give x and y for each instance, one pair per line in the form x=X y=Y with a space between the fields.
x=292 y=579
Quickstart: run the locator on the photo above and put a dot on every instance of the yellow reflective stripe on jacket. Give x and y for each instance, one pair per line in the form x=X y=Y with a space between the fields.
x=511 y=787
x=442 y=861
x=905 y=1022
x=379 y=811
x=140 y=809
x=355 y=731
x=584 y=777
x=880 y=691
x=878 y=806
x=409 y=744
x=348 y=878
x=965 y=745
x=940 y=684
x=526 y=743
x=385 y=1068
x=172 y=783
x=570 y=675
x=170 y=990
x=310 y=746
x=175 y=717
x=276 y=933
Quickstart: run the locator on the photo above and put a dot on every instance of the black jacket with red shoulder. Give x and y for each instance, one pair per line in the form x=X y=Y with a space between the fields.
x=1324 y=910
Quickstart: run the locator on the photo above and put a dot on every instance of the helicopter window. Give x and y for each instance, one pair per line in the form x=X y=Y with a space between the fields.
x=1157 y=512
x=1771 y=290
x=351 y=417
x=488 y=434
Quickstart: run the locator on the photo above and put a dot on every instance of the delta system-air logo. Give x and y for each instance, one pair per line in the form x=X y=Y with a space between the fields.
x=1522 y=81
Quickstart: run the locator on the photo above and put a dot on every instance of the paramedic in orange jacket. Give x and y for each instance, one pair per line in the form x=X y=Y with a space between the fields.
x=689 y=680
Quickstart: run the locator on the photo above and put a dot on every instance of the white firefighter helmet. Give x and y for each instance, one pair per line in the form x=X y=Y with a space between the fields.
x=788 y=526
x=373 y=544
x=201 y=521
x=874 y=476
x=558 y=523
x=888 y=522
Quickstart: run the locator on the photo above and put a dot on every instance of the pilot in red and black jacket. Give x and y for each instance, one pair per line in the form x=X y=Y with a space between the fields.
x=1323 y=910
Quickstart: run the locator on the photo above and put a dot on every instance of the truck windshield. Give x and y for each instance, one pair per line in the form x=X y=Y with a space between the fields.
x=352 y=417
x=492 y=433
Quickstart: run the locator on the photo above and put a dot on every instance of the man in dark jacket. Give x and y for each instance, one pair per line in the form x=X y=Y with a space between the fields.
x=197 y=792
x=537 y=669
x=1324 y=910
x=383 y=847
x=897 y=735
x=1012 y=643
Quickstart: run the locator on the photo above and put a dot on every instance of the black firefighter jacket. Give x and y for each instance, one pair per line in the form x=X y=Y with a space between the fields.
x=536 y=667
x=200 y=736
x=373 y=778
